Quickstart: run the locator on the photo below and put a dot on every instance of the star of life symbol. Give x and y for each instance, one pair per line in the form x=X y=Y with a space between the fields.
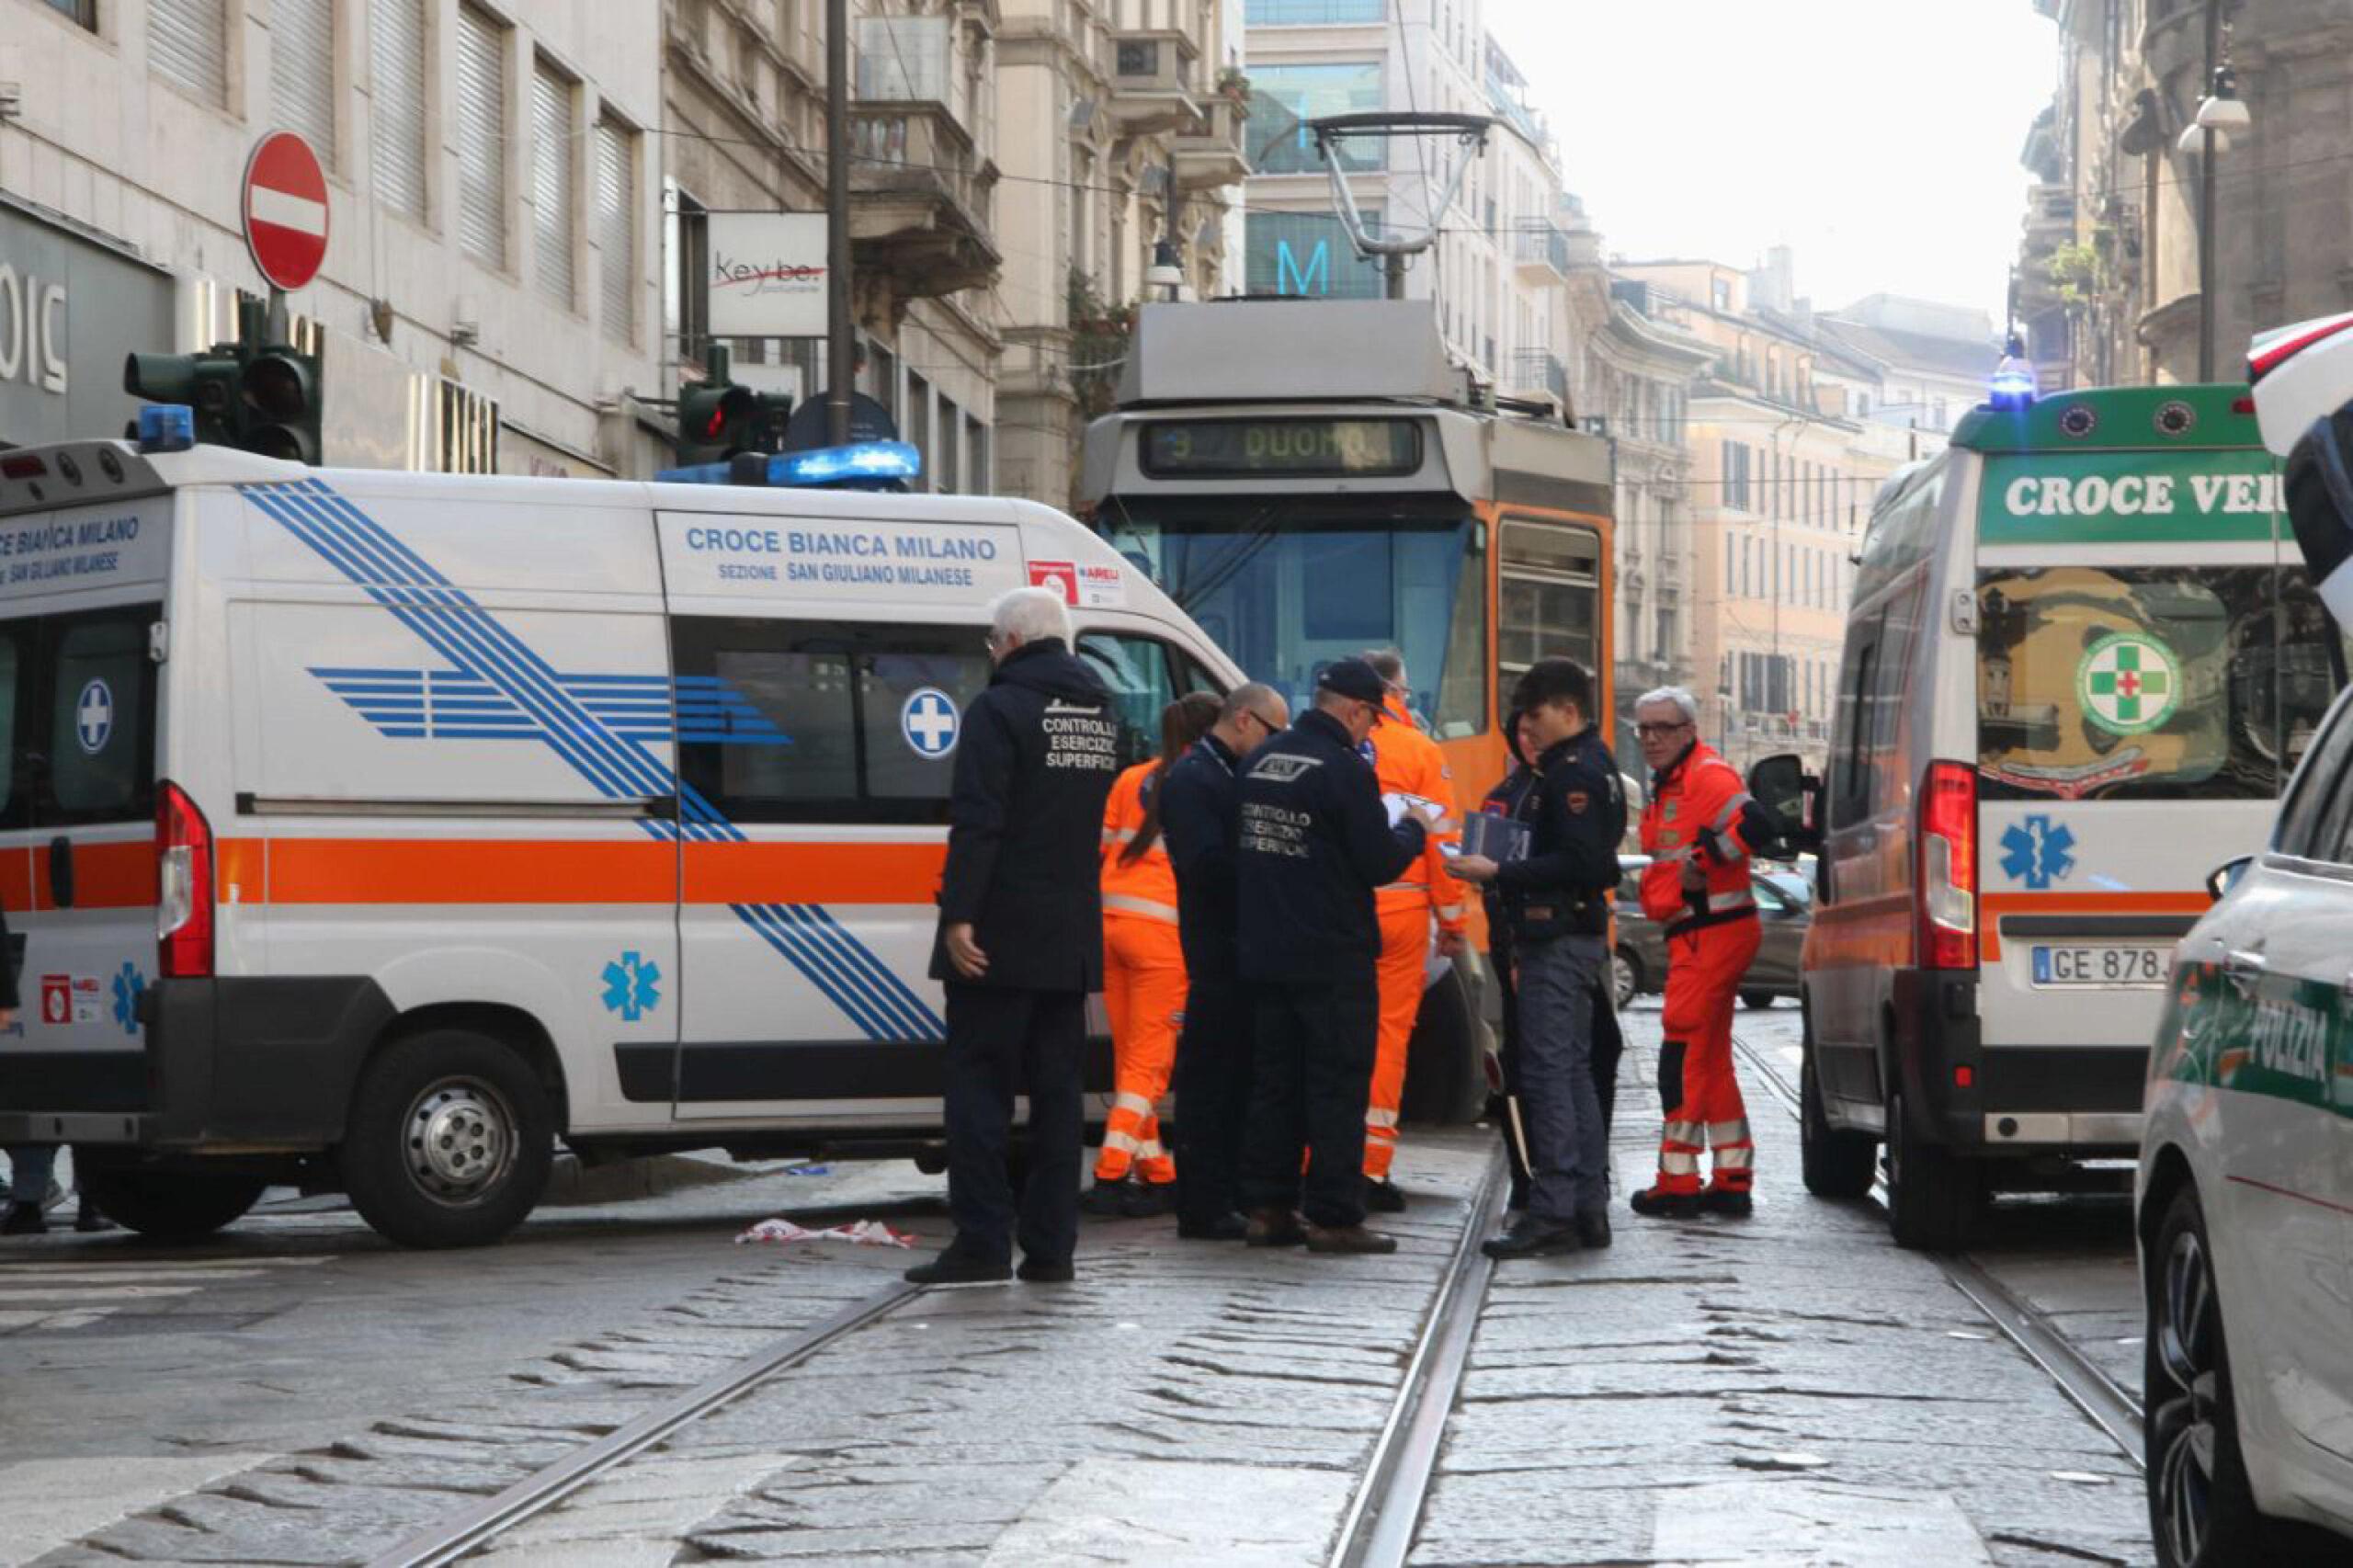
x=928 y=719
x=94 y=717
x=632 y=986
x=129 y=986
x=2037 y=852
x=2129 y=685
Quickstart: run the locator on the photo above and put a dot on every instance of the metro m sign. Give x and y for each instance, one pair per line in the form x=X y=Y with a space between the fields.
x=285 y=208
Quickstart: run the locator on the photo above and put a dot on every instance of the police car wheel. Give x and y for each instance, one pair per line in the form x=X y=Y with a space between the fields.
x=1835 y=1163
x=448 y=1140
x=2202 y=1511
x=1932 y=1192
x=167 y=1205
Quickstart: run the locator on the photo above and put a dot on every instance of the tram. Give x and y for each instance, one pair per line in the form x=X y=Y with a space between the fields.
x=1310 y=479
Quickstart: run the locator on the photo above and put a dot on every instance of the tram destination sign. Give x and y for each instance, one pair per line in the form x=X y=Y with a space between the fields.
x=1282 y=447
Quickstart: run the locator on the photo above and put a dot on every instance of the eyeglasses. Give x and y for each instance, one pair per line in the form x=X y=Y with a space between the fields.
x=1261 y=720
x=1654 y=731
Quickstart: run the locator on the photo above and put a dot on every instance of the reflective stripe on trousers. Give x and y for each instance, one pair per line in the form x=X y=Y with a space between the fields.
x=1144 y=991
x=1405 y=948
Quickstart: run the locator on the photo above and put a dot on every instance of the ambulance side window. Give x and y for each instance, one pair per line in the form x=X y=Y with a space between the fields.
x=823 y=721
x=1144 y=676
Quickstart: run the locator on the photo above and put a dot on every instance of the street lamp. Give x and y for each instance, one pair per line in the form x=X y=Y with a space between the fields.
x=1164 y=271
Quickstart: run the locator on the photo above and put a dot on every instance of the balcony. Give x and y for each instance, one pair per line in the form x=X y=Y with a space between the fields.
x=1152 y=81
x=1214 y=151
x=922 y=201
x=1540 y=248
x=1535 y=372
x=2050 y=218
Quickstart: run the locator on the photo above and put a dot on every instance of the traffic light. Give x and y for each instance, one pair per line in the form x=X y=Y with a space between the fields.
x=718 y=419
x=253 y=394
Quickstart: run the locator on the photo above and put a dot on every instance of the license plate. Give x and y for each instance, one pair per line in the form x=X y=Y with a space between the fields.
x=2098 y=966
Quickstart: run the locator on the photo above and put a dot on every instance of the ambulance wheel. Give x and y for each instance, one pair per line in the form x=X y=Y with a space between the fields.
x=449 y=1141
x=1932 y=1192
x=1835 y=1163
x=1446 y=1073
x=165 y=1205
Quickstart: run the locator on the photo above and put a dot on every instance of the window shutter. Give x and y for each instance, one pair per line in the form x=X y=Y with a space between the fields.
x=301 y=71
x=552 y=184
x=187 y=45
x=615 y=228
x=481 y=138
x=396 y=140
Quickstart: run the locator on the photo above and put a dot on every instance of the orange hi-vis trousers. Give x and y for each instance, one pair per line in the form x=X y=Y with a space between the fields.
x=1405 y=957
x=1696 y=1084
x=1143 y=990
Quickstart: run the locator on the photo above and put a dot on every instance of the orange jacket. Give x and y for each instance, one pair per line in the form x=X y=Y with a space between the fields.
x=1145 y=886
x=1698 y=807
x=1404 y=759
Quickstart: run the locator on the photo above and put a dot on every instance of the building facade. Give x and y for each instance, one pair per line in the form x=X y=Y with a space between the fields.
x=489 y=297
x=2108 y=277
x=1122 y=129
x=743 y=98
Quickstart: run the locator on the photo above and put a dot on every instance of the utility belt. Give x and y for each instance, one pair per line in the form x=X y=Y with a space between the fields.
x=1538 y=916
x=1700 y=922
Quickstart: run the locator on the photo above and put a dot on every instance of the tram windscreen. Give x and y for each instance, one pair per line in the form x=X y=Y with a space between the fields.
x=1286 y=587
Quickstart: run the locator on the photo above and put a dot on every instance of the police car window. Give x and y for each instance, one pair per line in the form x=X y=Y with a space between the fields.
x=1136 y=671
x=100 y=763
x=2324 y=776
x=824 y=720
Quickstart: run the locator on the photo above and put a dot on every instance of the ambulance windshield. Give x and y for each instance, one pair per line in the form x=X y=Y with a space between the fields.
x=1287 y=586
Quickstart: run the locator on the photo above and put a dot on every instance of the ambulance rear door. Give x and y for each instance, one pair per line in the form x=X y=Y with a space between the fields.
x=824 y=661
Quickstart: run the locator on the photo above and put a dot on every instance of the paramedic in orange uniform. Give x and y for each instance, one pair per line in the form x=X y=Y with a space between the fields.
x=1144 y=973
x=1698 y=829
x=1406 y=761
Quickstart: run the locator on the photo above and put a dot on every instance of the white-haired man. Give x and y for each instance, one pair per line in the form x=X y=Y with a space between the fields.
x=1699 y=830
x=1020 y=941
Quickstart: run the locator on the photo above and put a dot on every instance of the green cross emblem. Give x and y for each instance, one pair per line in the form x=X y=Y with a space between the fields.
x=2128 y=685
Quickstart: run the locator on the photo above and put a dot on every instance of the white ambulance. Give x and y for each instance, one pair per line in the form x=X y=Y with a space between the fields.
x=376 y=830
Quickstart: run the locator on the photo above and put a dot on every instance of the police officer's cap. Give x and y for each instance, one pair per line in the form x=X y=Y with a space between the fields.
x=1353 y=677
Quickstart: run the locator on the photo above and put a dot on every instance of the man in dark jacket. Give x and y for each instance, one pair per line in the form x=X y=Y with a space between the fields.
x=1020 y=941
x=1556 y=901
x=1197 y=810
x=1313 y=840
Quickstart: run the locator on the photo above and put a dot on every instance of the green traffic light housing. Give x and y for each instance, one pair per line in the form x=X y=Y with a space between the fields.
x=280 y=388
x=253 y=394
x=718 y=419
x=208 y=383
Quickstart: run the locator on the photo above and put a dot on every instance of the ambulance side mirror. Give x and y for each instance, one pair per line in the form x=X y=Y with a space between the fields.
x=1783 y=787
x=2224 y=877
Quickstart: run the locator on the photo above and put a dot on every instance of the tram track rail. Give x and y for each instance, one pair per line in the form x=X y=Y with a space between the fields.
x=2103 y=1402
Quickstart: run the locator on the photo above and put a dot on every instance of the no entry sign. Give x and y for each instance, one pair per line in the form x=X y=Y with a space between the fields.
x=286 y=209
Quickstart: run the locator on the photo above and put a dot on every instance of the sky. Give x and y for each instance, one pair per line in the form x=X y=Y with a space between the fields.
x=1879 y=138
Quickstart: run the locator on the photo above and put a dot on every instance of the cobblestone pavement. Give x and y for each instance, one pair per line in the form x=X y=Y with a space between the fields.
x=1790 y=1390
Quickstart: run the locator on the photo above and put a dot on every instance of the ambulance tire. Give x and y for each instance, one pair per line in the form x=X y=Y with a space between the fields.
x=1834 y=1164
x=167 y=1205
x=1446 y=1073
x=1933 y=1193
x=449 y=1141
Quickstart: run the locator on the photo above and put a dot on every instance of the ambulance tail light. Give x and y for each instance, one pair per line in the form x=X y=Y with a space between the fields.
x=184 y=903
x=1946 y=880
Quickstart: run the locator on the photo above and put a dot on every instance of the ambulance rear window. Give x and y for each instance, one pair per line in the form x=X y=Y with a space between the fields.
x=77 y=714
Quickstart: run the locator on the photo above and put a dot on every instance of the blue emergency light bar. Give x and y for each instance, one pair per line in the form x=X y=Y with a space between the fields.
x=2014 y=385
x=167 y=427
x=866 y=463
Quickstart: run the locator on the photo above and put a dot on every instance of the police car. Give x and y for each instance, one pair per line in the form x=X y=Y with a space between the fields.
x=376 y=829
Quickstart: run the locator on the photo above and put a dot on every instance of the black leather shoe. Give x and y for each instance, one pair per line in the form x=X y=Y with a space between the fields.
x=1224 y=1228
x=1382 y=1197
x=1349 y=1239
x=1653 y=1204
x=1593 y=1229
x=1274 y=1228
x=1146 y=1200
x=1726 y=1201
x=89 y=1221
x=1533 y=1238
x=954 y=1268
x=23 y=1220
x=1044 y=1271
x=1105 y=1198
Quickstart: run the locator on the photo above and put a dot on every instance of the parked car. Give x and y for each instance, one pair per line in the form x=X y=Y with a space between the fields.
x=2245 y=1180
x=1784 y=904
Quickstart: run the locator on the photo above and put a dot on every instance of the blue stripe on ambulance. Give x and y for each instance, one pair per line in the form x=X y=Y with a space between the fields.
x=597 y=724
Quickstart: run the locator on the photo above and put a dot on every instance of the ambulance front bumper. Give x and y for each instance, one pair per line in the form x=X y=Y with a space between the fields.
x=250 y=1063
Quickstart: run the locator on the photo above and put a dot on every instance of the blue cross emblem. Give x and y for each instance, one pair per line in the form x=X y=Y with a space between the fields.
x=94 y=717
x=928 y=721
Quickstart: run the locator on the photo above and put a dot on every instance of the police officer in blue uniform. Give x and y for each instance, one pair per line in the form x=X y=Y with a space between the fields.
x=1312 y=841
x=1212 y=1080
x=1020 y=941
x=1556 y=904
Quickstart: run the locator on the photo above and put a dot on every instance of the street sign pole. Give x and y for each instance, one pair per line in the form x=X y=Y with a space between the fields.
x=279 y=326
x=840 y=350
